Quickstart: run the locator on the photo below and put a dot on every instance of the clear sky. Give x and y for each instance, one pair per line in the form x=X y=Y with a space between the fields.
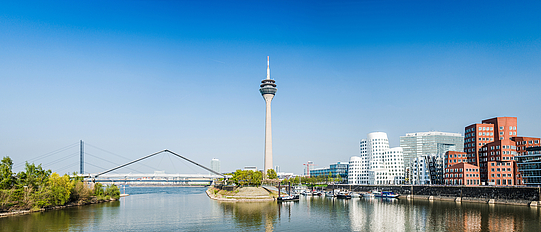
x=135 y=77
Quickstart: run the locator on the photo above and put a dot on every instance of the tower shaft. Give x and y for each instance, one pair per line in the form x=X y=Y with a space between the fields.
x=268 y=133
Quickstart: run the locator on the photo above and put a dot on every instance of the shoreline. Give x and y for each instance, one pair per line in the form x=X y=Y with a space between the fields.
x=29 y=211
x=221 y=198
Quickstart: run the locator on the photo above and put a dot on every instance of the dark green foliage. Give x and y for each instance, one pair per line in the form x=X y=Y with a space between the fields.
x=247 y=178
x=112 y=191
x=6 y=175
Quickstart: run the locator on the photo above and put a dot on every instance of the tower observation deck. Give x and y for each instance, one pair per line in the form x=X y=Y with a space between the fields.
x=268 y=90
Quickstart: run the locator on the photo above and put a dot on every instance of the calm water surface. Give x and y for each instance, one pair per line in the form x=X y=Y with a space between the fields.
x=189 y=209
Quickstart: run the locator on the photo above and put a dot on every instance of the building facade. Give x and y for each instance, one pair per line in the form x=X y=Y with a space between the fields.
x=429 y=143
x=529 y=165
x=490 y=146
x=462 y=174
x=377 y=163
x=215 y=165
x=426 y=169
x=339 y=169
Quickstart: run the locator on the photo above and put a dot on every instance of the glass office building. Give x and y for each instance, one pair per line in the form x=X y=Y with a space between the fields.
x=429 y=143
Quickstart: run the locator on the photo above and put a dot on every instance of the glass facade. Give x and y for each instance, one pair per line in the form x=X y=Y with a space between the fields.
x=530 y=166
x=334 y=170
x=429 y=143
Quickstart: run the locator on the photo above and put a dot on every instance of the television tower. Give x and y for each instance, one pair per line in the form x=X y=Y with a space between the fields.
x=267 y=90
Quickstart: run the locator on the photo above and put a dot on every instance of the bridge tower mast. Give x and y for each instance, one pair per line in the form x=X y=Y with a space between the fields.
x=82 y=158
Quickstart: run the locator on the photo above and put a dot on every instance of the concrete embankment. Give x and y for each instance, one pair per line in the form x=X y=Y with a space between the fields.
x=244 y=194
x=480 y=194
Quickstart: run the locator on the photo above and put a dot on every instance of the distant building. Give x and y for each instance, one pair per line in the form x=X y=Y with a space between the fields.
x=429 y=143
x=377 y=163
x=529 y=165
x=277 y=169
x=252 y=168
x=339 y=169
x=215 y=165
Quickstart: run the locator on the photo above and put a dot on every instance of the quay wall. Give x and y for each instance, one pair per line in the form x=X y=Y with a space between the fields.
x=501 y=194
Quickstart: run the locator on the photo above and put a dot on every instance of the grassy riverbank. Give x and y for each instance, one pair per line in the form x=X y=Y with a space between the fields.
x=241 y=194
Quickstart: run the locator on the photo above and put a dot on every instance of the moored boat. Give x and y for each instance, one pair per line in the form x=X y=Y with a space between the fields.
x=288 y=198
x=385 y=194
x=343 y=195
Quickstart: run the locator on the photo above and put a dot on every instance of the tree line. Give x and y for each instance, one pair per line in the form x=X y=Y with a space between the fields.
x=255 y=178
x=36 y=188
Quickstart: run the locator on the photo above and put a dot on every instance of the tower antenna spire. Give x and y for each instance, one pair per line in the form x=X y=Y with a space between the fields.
x=268 y=69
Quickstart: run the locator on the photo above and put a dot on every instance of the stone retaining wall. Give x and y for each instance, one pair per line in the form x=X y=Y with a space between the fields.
x=483 y=193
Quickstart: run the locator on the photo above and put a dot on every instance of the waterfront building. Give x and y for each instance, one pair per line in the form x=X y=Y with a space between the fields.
x=338 y=169
x=429 y=143
x=377 y=163
x=524 y=142
x=462 y=174
x=215 y=165
x=490 y=145
x=529 y=165
x=427 y=169
x=268 y=90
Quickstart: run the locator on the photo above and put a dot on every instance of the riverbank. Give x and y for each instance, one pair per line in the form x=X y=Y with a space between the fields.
x=22 y=212
x=243 y=194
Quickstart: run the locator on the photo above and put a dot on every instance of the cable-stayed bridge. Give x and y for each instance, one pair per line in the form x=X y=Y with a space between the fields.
x=132 y=173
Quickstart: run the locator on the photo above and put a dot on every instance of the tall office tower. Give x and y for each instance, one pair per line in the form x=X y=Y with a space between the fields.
x=215 y=165
x=429 y=143
x=377 y=164
x=267 y=90
x=490 y=146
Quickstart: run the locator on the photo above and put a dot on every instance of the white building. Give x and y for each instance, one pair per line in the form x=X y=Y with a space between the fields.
x=215 y=165
x=377 y=164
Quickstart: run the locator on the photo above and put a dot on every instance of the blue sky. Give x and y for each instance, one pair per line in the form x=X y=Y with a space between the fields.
x=136 y=77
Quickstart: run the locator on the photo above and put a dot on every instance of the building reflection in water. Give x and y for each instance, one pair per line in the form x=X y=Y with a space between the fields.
x=376 y=215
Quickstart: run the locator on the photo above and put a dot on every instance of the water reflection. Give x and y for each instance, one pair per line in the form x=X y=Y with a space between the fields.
x=59 y=220
x=250 y=216
x=191 y=210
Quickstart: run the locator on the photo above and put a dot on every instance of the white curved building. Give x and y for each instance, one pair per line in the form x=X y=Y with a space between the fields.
x=377 y=164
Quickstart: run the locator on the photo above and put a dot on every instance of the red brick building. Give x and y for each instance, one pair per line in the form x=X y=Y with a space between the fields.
x=489 y=148
x=524 y=142
x=462 y=174
x=490 y=145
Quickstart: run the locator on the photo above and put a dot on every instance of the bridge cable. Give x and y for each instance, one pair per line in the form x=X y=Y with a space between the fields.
x=152 y=168
x=153 y=154
x=110 y=162
x=33 y=160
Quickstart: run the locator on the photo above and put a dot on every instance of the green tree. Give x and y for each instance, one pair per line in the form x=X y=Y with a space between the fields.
x=112 y=191
x=61 y=187
x=98 y=190
x=247 y=177
x=271 y=174
x=6 y=174
x=33 y=177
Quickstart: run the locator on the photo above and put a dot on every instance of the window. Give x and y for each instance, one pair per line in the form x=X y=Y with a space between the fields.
x=510 y=128
x=501 y=127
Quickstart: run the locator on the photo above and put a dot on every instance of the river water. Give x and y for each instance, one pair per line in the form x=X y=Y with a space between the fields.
x=189 y=209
